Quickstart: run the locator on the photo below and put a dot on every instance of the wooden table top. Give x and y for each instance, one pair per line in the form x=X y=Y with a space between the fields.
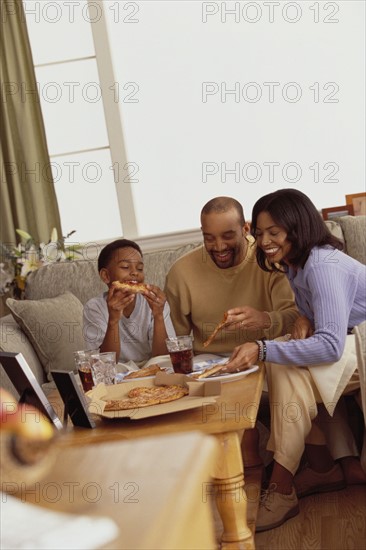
x=155 y=496
x=235 y=409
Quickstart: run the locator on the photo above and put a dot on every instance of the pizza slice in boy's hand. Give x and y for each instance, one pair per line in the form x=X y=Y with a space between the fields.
x=131 y=286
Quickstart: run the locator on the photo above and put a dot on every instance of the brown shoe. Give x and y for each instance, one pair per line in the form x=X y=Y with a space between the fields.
x=275 y=508
x=308 y=482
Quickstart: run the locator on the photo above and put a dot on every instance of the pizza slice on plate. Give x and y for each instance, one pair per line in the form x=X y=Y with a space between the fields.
x=208 y=372
x=144 y=371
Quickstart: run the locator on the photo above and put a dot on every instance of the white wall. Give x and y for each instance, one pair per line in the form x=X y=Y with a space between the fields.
x=295 y=117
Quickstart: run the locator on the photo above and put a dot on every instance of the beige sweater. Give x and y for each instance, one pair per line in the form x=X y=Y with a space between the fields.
x=199 y=293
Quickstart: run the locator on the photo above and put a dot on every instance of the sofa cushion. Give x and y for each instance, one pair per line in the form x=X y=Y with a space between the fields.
x=336 y=230
x=54 y=328
x=81 y=278
x=354 y=231
x=13 y=340
x=158 y=263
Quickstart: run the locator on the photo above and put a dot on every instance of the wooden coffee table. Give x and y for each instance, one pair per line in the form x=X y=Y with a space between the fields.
x=154 y=499
x=234 y=411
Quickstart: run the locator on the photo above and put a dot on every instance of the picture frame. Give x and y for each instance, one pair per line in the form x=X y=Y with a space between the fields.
x=358 y=201
x=26 y=384
x=337 y=211
x=75 y=403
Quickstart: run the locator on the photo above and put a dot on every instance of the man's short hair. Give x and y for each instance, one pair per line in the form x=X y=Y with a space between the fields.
x=218 y=205
x=107 y=252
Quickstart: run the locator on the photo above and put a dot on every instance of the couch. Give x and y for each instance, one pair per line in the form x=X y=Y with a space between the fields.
x=47 y=327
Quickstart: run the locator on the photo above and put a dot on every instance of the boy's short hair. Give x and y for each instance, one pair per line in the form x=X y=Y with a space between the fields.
x=107 y=252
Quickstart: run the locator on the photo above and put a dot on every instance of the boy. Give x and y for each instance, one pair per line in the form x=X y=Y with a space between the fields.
x=134 y=325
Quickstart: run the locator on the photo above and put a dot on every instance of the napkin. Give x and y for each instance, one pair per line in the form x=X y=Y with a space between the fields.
x=43 y=529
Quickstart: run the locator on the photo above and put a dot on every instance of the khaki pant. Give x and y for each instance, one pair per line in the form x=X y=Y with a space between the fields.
x=294 y=400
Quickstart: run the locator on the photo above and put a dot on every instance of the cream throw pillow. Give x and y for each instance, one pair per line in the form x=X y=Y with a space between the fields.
x=54 y=328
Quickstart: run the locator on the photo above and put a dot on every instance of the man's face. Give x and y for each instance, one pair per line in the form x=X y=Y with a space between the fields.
x=224 y=237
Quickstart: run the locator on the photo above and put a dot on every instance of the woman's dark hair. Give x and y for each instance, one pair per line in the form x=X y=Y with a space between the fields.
x=108 y=251
x=296 y=214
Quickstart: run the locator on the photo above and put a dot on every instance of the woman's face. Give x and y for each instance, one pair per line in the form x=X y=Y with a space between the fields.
x=272 y=239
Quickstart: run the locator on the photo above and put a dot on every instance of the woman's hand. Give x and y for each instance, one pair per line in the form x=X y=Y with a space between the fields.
x=156 y=299
x=302 y=328
x=243 y=356
x=248 y=317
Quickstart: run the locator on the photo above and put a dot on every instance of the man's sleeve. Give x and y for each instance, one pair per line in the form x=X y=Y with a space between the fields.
x=177 y=299
x=284 y=311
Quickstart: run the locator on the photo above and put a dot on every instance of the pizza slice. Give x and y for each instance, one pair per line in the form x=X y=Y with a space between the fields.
x=217 y=329
x=141 y=373
x=208 y=372
x=146 y=397
x=132 y=286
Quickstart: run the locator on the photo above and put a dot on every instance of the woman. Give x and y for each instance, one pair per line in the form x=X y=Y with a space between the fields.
x=330 y=293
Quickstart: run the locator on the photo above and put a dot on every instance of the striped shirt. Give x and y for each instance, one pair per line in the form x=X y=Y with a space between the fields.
x=331 y=292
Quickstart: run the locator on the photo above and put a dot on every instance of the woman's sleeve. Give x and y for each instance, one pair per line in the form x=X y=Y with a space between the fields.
x=332 y=294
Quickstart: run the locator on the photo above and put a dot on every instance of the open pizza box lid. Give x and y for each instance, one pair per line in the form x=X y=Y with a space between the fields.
x=201 y=393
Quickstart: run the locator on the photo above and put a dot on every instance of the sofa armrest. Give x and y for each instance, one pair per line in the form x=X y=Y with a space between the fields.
x=13 y=340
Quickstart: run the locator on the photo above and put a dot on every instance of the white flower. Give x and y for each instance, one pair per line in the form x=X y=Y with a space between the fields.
x=30 y=262
x=54 y=236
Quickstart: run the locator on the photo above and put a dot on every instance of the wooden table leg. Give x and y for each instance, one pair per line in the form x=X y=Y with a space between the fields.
x=228 y=481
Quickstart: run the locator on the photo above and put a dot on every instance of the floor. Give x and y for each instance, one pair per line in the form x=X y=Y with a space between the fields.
x=328 y=521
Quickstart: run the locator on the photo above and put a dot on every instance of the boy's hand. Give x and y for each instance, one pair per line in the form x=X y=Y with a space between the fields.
x=156 y=299
x=117 y=301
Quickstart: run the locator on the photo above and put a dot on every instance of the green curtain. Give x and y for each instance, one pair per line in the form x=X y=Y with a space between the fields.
x=27 y=194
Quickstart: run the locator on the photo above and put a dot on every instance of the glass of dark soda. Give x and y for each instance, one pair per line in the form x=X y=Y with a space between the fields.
x=180 y=349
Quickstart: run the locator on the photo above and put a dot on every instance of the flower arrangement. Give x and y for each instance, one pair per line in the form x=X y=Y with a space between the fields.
x=28 y=256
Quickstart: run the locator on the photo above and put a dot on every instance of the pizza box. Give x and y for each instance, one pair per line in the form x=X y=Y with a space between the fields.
x=200 y=393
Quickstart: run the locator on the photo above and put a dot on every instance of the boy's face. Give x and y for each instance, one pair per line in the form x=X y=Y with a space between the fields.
x=126 y=265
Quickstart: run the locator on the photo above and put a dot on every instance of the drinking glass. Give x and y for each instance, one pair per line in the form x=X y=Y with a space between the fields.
x=180 y=349
x=103 y=367
x=82 y=361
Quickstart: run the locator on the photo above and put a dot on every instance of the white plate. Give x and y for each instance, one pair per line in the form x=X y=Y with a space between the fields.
x=207 y=360
x=230 y=377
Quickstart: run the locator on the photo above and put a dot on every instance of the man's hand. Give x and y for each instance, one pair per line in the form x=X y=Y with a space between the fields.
x=302 y=328
x=156 y=299
x=243 y=356
x=248 y=317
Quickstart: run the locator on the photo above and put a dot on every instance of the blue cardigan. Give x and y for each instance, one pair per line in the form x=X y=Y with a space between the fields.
x=331 y=292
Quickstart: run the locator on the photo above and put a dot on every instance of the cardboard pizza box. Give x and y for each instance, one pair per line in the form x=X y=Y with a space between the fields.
x=200 y=393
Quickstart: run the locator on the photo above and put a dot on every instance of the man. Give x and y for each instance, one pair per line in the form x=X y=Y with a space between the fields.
x=223 y=276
